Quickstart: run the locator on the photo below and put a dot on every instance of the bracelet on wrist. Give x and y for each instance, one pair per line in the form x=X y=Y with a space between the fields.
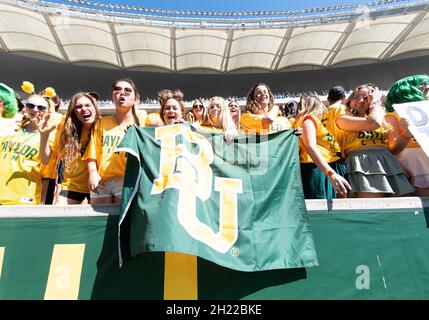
x=330 y=173
x=377 y=102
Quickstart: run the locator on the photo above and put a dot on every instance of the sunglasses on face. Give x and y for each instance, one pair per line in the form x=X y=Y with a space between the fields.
x=233 y=106
x=32 y=106
x=127 y=91
x=198 y=106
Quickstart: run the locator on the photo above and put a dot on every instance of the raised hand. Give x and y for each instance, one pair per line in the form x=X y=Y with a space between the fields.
x=374 y=95
x=42 y=124
x=403 y=128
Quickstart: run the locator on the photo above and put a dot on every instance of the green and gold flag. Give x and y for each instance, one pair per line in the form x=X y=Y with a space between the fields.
x=239 y=204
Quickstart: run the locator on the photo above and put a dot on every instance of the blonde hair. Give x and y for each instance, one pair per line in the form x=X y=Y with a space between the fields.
x=225 y=116
x=190 y=116
x=310 y=104
x=236 y=119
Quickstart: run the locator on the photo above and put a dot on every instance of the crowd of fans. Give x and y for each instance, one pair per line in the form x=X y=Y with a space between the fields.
x=353 y=144
x=148 y=103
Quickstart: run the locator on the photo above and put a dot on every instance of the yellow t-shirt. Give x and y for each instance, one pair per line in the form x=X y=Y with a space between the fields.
x=50 y=170
x=252 y=124
x=325 y=142
x=328 y=121
x=153 y=119
x=56 y=118
x=21 y=170
x=142 y=115
x=351 y=140
x=77 y=180
x=8 y=126
x=105 y=138
x=413 y=142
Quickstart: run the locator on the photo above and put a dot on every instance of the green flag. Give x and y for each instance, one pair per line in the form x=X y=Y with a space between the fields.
x=239 y=204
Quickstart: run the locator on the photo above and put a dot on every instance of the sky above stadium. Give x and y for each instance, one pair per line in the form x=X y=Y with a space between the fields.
x=229 y=5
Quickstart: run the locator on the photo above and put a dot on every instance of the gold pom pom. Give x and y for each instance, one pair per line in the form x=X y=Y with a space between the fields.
x=27 y=87
x=50 y=92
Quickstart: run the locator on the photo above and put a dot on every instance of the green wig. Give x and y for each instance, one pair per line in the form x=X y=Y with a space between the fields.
x=7 y=95
x=405 y=90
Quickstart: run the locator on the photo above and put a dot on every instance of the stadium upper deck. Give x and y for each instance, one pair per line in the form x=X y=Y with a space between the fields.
x=130 y=38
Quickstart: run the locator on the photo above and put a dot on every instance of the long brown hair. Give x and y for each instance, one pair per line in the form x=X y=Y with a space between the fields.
x=70 y=145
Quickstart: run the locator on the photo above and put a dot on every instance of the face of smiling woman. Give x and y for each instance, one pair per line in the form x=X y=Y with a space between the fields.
x=360 y=103
x=198 y=110
x=234 y=109
x=172 y=111
x=36 y=106
x=262 y=96
x=85 y=111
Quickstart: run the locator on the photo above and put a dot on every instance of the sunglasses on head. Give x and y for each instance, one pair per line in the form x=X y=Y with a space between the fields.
x=35 y=106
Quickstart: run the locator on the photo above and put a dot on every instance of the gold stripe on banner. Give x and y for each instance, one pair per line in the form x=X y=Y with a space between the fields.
x=180 y=277
x=1 y=259
x=64 y=273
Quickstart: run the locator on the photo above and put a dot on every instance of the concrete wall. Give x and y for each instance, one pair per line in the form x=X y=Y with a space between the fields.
x=312 y=207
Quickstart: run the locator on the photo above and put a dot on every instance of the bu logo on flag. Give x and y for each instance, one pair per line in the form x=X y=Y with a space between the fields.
x=191 y=174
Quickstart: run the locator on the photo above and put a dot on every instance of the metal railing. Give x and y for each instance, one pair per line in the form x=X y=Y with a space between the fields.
x=219 y=20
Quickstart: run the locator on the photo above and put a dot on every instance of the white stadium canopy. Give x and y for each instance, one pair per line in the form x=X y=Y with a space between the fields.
x=223 y=42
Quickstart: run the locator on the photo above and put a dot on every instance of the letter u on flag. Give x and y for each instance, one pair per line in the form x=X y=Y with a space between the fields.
x=239 y=204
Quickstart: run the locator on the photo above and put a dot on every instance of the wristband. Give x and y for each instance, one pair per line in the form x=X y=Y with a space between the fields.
x=377 y=102
x=330 y=173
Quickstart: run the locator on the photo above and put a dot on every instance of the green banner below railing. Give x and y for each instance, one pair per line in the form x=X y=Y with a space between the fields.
x=379 y=253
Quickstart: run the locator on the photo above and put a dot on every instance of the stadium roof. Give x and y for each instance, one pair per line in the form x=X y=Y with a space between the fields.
x=129 y=38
